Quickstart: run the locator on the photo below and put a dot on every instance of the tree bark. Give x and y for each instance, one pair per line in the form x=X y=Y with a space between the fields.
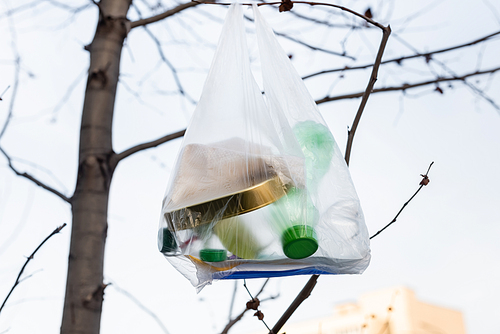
x=84 y=286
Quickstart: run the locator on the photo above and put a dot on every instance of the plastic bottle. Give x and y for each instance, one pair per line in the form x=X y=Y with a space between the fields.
x=237 y=238
x=212 y=249
x=294 y=217
x=166 y=242
x=317 y=144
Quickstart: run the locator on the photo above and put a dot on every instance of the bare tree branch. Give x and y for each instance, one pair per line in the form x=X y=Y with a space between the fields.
x=120 y=156
x=425 y=181
x=16 y=74
x=141 y=306
x=138 y=97
x=473 y=87
x=170 y=66
x=407 y=86
x=314 y=48
x=20 y=224
x=69 y=8
x=309 y=46
x=165 y=59
x=401 y=59
x=18 y=280
x=33 y=179
x=368 y=91
x=303 y=294
x=327 y=23
x=4 y=91
x=367 y=19
x=30 y=275
x=232 y=322
x=159 y=17
x=21 y=8
x=69 y=91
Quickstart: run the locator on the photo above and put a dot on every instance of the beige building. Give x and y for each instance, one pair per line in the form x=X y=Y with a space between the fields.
x=389 y=311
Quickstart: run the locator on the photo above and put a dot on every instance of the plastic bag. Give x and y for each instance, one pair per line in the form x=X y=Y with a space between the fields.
x=260 y=188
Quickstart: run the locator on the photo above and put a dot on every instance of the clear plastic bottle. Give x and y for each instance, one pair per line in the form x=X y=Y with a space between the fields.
x=238 y=238
x=294 y=217
x=317 y=144
x=212 y=249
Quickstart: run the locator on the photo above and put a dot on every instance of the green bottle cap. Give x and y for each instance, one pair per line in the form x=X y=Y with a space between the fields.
x=213 y=255
x=299 y=242
x=166 y=241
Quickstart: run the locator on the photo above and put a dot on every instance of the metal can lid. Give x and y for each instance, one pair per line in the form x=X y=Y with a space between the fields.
x=231 y=205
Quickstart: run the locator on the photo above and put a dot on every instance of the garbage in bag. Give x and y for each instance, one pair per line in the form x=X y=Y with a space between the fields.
x=260 y=187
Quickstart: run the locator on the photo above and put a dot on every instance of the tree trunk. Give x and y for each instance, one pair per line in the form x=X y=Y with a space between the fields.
x=84 y=286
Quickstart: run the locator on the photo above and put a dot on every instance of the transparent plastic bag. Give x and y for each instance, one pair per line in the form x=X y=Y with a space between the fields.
x=259 y=188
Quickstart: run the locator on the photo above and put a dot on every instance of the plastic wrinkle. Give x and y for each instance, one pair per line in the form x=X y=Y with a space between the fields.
x=259 y=187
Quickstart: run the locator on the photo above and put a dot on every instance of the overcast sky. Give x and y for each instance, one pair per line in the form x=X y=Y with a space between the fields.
x=444 y=245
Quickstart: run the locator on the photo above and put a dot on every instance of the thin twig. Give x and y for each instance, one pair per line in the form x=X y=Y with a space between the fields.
x=401 y=59
x=165 y=60
x=303 y=294
x=69 y=91
x=407 y=86
x=141 y=306
x=47 y=171
x=309 y=46
x=56 y=231
x=314 y=48
x=246 y=288
x=67 y=7
x=169 y=65
x=138 y=97
x=254 y=299
x=5 y=90
x=30 y=275
x=368 y=91
x=403 y=87
x=232 y=322
x=369 y=20
x=9 y=117
x=327 y=23
x=144 y=146
x=26 y=211
x=159 y=17
x=473 y=87
x=21 y=8
x=33 y=179
x=17 y=70
x=422 y=184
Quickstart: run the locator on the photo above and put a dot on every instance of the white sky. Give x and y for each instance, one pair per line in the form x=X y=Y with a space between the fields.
x=444 y=245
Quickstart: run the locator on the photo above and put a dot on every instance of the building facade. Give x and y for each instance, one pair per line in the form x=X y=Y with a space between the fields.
x=389 y=311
